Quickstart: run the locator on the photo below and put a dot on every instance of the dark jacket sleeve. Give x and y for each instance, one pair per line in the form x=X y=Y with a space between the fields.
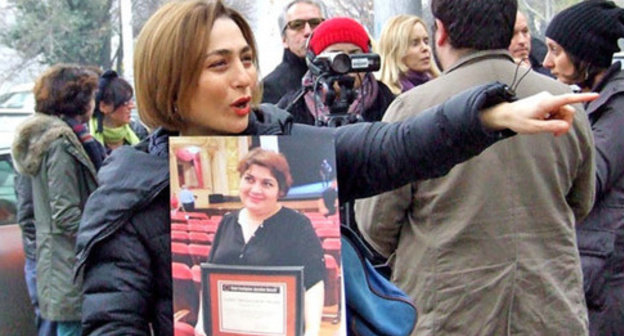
x=608 y=140
x=118 y=288
x=598 y=234
x=26 y=214
x=377 y=157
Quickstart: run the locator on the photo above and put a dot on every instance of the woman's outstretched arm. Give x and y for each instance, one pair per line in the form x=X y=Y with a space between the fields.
x=377 y=157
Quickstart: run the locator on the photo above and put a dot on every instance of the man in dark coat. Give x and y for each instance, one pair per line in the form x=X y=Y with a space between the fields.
x=296 y=23
x=525 y=49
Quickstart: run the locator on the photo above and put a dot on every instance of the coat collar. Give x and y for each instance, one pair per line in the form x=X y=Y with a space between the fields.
x=35 y=135
x=290 y=58
x=611 y=85
x=479 y=56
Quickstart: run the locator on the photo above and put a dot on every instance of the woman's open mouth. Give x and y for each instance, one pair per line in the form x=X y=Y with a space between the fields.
x=241 y=106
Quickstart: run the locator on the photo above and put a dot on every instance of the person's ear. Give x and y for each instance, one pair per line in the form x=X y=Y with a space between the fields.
x=105 y=108
x=441 y=35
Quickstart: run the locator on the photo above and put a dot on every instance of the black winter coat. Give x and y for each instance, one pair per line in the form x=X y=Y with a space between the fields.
x=302 y=115
x=601 y=235
x=286 y=76
x=124 y=242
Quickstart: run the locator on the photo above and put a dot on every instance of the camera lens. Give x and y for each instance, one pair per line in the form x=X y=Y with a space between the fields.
x=341 y=63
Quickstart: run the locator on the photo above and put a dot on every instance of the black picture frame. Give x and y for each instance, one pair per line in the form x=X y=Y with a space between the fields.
x=286 y=281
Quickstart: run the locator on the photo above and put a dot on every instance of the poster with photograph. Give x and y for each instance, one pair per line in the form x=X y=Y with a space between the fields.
x=255 y=236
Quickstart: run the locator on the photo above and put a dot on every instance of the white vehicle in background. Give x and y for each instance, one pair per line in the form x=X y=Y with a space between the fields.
x=18 y=100
x=16 y=312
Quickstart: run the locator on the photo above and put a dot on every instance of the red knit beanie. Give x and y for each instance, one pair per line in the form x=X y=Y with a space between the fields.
x=338 y=30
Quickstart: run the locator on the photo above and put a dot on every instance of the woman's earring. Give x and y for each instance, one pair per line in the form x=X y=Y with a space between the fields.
x=176 y=113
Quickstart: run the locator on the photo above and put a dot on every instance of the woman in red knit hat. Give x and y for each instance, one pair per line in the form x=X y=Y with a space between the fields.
x=308 y=104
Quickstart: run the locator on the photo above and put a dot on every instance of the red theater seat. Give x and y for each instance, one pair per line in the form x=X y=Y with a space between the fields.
x=178 y=216
x=196 y=271
x=180 y=253
x=199 y=253
x=202 y=228
x=332 y=291
x=201 y=238
x=332 y=287
x=327 y=232
x=197 y=215
x=179 y=236
x=331 y=246
x=206 y=225
x=179 y=227
x=183 y=329
x=185 y=295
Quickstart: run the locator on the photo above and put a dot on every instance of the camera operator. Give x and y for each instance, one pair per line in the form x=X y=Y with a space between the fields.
x=339 y=88
x=329 y=97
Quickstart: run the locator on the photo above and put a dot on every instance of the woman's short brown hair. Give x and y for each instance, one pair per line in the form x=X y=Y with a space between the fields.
x=273 y=161
x=169 y=56
x=65 y=90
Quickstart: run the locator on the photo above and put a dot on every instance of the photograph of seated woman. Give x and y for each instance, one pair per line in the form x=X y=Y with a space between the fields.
x=265 y=233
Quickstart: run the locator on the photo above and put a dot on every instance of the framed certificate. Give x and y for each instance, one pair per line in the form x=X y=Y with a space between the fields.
x=252 y=300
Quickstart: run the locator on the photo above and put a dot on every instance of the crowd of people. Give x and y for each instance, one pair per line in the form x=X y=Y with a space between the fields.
x=490 y=223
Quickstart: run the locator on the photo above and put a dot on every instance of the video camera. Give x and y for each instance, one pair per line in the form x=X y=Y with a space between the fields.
x=332 y=69
x=340 y=63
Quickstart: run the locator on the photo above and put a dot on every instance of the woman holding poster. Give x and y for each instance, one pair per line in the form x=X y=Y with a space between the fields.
x=196 y=74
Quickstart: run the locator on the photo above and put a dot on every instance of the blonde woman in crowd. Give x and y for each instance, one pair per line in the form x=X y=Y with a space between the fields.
x=406 y=56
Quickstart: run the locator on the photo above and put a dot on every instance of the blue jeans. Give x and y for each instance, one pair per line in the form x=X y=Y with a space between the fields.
x=44 y=327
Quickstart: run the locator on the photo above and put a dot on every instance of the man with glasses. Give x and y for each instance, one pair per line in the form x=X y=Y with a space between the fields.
x=296 y=23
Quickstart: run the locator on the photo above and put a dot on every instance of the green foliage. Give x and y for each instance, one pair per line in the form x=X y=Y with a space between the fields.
x=61 y=31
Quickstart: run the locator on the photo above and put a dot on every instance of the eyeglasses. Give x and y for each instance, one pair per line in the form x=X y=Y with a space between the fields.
x=300 y=23
x=126 y=103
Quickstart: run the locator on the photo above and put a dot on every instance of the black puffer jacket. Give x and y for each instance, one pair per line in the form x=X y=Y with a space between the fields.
x=124 y=243
x=601 y=235
x=139 y=130
x=286 y=76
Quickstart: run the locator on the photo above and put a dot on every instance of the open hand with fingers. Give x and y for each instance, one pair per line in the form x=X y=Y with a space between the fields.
x=542 y=112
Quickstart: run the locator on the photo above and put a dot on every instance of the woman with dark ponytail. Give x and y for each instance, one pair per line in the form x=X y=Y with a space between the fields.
x=112 y=123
